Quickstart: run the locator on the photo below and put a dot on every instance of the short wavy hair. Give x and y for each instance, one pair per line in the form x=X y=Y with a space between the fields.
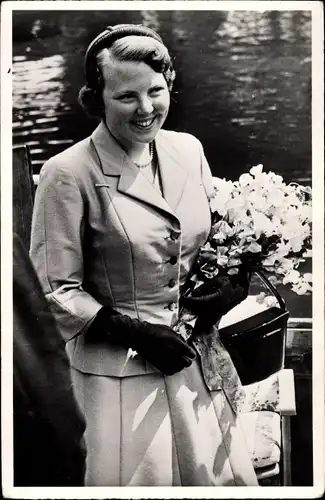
x=129 y=48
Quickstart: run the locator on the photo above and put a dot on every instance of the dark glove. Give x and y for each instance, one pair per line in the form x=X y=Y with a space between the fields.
x=210 y=301
x=157 y=343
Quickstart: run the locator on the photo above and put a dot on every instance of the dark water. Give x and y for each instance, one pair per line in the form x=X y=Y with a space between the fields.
x=242 y=87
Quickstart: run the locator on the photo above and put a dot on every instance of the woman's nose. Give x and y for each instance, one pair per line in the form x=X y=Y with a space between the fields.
x=145 y=106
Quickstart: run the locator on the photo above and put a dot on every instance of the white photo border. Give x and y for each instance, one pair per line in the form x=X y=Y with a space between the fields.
x=315 y=491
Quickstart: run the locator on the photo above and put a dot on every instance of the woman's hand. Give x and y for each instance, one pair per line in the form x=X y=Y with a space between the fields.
x=212 y=300
x=157 y=343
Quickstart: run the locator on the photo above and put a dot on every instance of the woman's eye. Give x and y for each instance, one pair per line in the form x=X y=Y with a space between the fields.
x=156 y=90
x=125 y=97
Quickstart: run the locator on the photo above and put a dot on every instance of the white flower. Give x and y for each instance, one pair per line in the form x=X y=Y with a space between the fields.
x=221 y=195
x=304 y=212
x=269 y=301
x=276 y=198
x=283 y=249
x=291 y=277
x=219 y=237
x=236 y=207
x=292 y=200
x=222 y=258
x=257 y=170
x=285 y=265
x=245 y=179
x=221 y=184
x=301 y=288
x=258 y=203
x=262 y=224
x=270 y=260
x=221 y=231
x=276 y=179
x=260 y=297
x=240 y=220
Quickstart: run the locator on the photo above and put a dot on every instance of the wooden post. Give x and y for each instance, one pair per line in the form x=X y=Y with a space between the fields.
x=23 y=193
x=299 y=433
x=286 y=450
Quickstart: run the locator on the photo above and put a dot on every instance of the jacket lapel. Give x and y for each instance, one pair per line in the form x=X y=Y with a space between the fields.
x=115 y=162
x=172 y=172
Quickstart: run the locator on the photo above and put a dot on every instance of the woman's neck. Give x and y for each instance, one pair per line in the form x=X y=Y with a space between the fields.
x=137 y=151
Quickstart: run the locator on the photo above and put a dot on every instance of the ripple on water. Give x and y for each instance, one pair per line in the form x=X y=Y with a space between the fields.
x=38 y=86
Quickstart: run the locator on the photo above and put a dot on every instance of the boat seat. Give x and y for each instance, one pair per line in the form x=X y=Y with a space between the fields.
x=265 y=419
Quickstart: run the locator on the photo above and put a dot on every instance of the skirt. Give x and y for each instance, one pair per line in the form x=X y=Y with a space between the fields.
x=156 y=430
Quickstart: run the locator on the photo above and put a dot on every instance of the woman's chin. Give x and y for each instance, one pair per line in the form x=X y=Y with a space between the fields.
x=147 y=134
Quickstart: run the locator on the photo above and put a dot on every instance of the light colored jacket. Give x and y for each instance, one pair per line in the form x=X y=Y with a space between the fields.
x=102 y=234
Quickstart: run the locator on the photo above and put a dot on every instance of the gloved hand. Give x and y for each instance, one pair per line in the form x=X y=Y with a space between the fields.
x=210 y=301
x=157 y=343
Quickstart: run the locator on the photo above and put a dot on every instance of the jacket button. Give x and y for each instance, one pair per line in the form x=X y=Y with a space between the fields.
x=174 y=235
x=173 y=260
x=172 y=283
x=172 y=306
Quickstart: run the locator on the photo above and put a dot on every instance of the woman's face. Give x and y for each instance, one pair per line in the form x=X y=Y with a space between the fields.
x=136 y=100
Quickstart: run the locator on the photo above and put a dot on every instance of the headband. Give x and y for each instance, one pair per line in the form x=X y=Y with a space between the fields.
x=108 y=37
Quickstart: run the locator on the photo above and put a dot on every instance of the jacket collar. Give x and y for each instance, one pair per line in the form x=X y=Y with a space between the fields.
x=115 y=162
x=112 y=157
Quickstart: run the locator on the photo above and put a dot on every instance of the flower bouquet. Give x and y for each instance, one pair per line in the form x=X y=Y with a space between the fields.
x=263 y=224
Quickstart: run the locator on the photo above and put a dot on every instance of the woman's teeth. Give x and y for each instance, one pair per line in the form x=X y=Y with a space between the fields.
x=144 y=123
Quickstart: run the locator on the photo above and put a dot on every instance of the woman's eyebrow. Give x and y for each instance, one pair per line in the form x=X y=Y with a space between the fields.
x=125 y=92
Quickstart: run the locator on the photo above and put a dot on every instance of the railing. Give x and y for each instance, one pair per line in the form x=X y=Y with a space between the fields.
x=23 y=193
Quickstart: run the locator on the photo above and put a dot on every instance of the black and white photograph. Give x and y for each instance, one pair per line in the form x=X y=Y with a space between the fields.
x=162 y=234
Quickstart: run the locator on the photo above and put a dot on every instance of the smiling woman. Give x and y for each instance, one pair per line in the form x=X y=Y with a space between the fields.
x=115 y=233
x=134 y=78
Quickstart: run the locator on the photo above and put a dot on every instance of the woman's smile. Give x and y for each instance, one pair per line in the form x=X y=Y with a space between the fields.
x=144 y=124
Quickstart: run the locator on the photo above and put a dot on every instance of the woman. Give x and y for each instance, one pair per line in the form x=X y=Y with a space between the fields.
x=118 y=221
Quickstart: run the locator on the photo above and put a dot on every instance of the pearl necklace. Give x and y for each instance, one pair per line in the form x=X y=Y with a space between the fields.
x=144 y=165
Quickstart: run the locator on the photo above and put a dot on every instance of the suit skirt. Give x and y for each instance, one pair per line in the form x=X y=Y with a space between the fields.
x=156 y=430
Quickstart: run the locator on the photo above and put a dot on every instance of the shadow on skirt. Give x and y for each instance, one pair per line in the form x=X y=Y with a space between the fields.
x=156 y=430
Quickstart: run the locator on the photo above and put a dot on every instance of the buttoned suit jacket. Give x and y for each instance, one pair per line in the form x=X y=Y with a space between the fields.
x=102 y=234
